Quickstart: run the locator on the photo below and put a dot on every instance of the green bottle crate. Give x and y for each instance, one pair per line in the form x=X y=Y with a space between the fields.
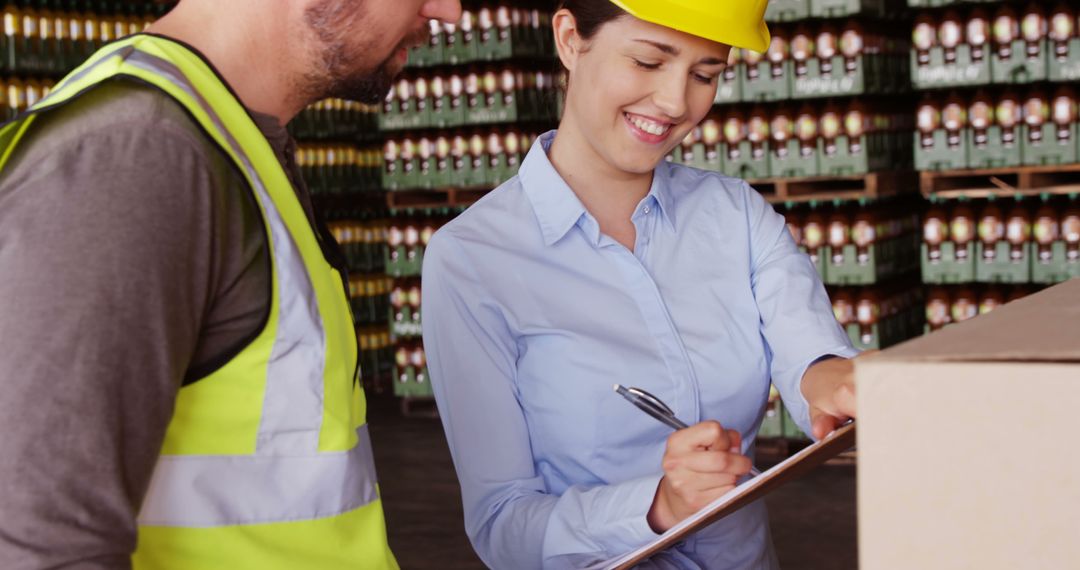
x=845 y=8
x=729 y=87
x=787 y=10
x=874 y=152
x=965 y=71
x=412 y=383
x=940 y=155
x=790 y=162
x=767 y=87
x=949 y=268
x=741 y=162
x=1066 y=67
x=1018 y=67
x=1002 y=269
x=700 y=156
x=993 y=150
x=1053 y=265
x=869 y=75
x=880 y=262
x=1047 y=148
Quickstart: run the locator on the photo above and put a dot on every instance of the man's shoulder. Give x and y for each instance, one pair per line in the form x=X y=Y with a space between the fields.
x=117 y=108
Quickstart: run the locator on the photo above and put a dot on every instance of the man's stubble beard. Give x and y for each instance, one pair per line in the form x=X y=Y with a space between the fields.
x=338 y=71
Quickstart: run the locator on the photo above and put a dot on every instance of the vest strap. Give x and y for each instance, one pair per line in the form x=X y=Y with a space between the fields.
x=231 y=490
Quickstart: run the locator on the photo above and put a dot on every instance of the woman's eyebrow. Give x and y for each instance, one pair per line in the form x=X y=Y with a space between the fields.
x=672 y=50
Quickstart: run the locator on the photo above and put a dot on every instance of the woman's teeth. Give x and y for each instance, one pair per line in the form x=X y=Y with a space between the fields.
x=649 y=126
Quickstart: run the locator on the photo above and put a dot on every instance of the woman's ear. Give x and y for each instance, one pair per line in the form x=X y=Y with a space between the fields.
x=567 y=41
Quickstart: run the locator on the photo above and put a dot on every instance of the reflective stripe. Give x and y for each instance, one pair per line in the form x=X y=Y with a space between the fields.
x=251 y=489
x=292 y=411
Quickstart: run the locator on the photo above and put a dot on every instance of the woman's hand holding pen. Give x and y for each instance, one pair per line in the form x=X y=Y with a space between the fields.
x=701 y=463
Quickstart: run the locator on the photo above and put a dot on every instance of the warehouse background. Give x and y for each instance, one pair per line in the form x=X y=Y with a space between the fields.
x=924 y=153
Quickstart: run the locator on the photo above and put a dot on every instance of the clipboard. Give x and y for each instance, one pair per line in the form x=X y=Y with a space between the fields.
x=840 y=440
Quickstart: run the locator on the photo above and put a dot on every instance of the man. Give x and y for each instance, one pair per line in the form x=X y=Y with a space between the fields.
x=177 y=360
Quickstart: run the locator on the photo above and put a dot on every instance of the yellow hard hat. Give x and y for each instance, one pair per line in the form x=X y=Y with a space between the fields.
x=737 y=23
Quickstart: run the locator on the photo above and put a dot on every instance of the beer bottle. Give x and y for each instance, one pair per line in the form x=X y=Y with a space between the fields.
x=751 y=60
x=710 y=135
x=1017 y=231
x=978 y=34
x=864 y=234
x=982 y=118
x=924 y=38
x=991 y=299
x=806 y=128
x=1062 y=30
x=757 y=132
x=839 y=233
x=928 y=121
x=938 y=308
x=1006 y=31
x=857 y=125
x=991 y=231
x=814 y=233
x=1047 y=231
x=951 y=35
x=1033 y=29
x=962 y=229
x=779 y=52
x=782 y=130
x=1036 y=114
x=843 y=307
x=802 y=48
x=1070 y=230
x=964 y=305
x=735 y=132
x=852 y=46
x=954 y=119
x=830 y=129
x=1064 y=114
x=1008 y=116
x=935 y=231
x=867 y=314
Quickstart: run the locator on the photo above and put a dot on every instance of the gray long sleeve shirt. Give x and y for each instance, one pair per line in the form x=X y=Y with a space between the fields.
x=132 y=258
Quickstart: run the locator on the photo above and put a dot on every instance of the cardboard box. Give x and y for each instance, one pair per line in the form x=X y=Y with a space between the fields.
x=962 y=461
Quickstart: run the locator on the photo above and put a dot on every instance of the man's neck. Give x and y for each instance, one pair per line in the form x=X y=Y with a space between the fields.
x=234 y=40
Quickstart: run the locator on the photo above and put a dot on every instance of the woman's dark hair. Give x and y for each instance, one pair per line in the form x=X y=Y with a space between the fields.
x=591 y=14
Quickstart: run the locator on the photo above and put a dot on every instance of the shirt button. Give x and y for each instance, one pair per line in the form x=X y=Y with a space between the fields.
x=647 y=209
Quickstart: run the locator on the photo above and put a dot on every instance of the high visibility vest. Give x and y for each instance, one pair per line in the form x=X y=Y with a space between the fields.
x=267 y=462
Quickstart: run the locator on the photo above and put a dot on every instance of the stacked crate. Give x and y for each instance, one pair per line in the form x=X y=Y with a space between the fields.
x=996 y=144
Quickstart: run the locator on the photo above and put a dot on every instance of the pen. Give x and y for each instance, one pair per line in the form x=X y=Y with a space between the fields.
x=652 y=405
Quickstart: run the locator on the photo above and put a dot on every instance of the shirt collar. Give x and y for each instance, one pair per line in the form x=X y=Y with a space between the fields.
x=661 y=194
x=558 y=208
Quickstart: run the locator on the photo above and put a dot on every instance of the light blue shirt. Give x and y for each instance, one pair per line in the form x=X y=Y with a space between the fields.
x=531 y=314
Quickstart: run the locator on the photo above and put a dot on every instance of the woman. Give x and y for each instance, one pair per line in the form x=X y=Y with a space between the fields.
x=601 y=263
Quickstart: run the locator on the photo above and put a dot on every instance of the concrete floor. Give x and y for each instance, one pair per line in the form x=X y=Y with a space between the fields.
x=813 y=519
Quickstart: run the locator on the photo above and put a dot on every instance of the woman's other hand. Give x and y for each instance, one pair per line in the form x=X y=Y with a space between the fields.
x=701 y=463
x=829 y=388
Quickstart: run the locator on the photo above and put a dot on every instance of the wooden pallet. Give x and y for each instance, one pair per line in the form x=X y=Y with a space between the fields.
x=441 y=198
x=1012 y=181
x=827 y=188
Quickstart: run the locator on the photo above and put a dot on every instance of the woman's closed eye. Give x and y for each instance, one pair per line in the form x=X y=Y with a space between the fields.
x=652 y=66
